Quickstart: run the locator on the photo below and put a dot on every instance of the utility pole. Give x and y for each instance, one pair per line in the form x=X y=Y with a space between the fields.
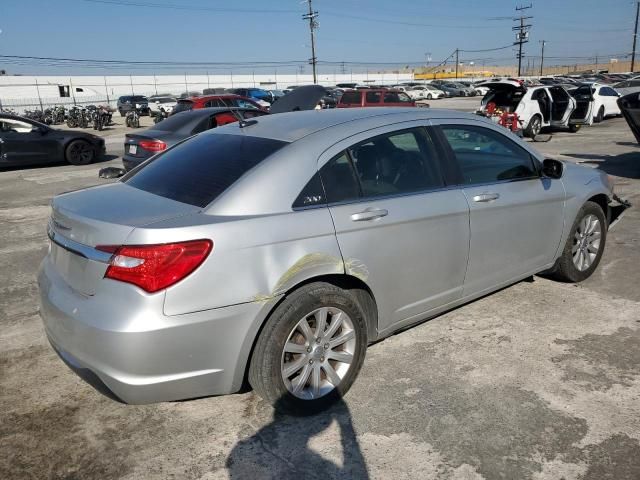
x=311 y=15
x=522 y=35
x=543 y=42
x=457 y=51
x=635 y=37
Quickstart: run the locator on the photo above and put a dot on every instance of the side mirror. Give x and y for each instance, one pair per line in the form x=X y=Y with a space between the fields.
x=552 y=168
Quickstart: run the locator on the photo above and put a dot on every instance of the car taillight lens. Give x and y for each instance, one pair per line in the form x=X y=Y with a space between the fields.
x=155 y=267
x=152 y=145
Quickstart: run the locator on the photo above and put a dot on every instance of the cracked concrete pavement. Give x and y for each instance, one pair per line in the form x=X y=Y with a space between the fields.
x=537 y=381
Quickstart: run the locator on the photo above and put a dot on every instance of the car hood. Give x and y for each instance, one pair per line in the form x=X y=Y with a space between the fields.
x=301 y=98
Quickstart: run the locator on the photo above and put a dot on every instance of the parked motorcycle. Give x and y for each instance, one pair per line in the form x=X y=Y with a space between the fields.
x=133 y=118
x=100 y=116
x=159 y=115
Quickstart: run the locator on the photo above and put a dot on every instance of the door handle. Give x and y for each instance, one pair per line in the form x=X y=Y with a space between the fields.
x=486 y=197
x=369 y=214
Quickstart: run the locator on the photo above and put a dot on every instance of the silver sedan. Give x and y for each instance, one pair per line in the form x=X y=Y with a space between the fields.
x=276 y=251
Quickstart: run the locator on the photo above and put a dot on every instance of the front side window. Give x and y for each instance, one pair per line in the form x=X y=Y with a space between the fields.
x=487 y=156
x=16 y=126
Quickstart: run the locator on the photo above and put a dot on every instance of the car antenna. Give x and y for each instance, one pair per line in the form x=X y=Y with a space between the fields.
x=241 y=121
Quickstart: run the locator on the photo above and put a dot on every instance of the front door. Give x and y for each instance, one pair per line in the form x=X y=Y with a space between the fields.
x=399 y=228
x=516 y=216
x=21 y=144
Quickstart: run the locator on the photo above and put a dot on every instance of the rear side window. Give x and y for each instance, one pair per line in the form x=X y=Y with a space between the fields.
x=486 y=156
x=373 y=97
x=351 y=97
x=196 y=172
x=396 y=163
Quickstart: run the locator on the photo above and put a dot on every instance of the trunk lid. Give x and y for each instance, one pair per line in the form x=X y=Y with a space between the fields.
x=104 y=215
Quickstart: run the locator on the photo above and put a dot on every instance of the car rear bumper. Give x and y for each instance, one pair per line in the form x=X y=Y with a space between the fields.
x=139 y=355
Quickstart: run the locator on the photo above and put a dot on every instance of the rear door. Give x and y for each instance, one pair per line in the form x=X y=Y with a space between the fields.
x=400 y=229
x=583 y=113
x=610 y=99
x=516 y=217
x=562 y=106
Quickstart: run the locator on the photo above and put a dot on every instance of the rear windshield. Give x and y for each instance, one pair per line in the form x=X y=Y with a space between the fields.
x=200 y=169
x=183 y=106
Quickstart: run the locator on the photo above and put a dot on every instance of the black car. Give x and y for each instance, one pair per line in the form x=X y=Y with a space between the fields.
x=140 y=146
x=127 y=103
x=27 y=142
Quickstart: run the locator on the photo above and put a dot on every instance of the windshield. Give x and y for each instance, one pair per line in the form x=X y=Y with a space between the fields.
x=199 y=170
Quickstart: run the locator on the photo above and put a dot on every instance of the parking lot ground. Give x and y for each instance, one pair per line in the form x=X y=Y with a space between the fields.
x=540 y=380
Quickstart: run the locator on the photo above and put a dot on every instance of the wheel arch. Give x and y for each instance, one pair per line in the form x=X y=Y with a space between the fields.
x=602 y=200
x=360 y=290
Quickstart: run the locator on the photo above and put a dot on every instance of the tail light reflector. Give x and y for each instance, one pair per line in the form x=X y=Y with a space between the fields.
x=153 y=145
x=155 y=267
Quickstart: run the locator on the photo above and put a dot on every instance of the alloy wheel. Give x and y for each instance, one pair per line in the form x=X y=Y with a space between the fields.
x=586 y=242
x=81 y=152
x=318 y=353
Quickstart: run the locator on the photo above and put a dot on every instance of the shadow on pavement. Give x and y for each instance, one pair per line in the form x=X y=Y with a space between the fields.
x=624 y=165
x=105 y=158
x=281 y=450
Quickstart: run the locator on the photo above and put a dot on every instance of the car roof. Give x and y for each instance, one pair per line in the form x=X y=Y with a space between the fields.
x=293 y=126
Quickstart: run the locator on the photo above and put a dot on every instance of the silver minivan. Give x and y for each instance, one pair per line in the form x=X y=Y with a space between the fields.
x=275 y=252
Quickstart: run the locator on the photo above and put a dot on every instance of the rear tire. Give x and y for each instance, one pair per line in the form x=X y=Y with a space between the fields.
x=79 y=152
x=600 y=116
x=533 y=127
x=283 y=354
x=429 y=97
x=584 y=247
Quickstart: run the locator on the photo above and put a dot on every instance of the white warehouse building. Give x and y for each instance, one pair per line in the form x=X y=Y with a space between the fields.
x=20 y=92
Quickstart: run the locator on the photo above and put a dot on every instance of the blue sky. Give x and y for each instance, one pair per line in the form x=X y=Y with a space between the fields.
x=370 y=31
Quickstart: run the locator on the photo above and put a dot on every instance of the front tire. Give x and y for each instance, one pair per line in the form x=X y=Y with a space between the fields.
x=79 y=152
x=310 y=350
x=429 y=97
x=573 y=128
x=584 y=247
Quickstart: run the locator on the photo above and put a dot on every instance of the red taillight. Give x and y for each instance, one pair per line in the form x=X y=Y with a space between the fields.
x=155 y=267
x=152 y=145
